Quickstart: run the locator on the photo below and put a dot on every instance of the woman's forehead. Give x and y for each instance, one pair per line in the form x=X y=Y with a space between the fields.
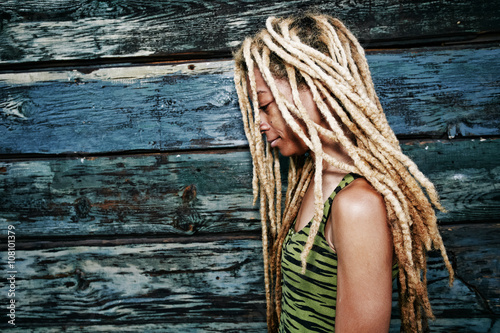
x=261 y=86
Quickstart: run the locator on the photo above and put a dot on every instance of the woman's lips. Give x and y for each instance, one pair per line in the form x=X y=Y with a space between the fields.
x=274 y=142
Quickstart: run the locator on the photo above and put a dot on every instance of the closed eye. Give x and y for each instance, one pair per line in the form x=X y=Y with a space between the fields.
x=264 y=108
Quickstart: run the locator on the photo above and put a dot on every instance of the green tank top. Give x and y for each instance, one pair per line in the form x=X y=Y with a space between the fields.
x=309 y=300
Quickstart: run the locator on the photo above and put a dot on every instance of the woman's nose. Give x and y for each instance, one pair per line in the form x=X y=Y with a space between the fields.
x=264 y=125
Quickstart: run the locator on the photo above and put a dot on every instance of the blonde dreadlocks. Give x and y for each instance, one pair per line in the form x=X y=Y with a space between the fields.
x=319 y=53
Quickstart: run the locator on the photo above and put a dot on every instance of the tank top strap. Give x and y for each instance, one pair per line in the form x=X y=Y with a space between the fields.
x=348 y=178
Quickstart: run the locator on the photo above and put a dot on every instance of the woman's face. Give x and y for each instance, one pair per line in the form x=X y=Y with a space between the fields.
x=272 y=124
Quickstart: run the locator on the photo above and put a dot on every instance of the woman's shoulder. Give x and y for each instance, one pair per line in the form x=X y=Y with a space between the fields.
x=359 y=197
x=359 y=218
x=358 y=209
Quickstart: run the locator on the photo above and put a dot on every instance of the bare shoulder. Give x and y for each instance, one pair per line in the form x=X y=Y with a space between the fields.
x=359 y=199
x=359 y=214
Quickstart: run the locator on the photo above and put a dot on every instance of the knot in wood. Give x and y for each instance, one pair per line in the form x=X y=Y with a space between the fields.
x=189 y=194
x=82 y=207
x=82 y=282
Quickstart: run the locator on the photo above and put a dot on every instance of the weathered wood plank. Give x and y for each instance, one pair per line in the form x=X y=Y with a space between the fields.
x=425 y=92
x=206 y=284
x=467 y=251
x=152 y=107
x=60 y=30
x=458 y=169
x=144 y=194
x=468 y=246
x=434 y=92
x=474 y=251
x=205 y=193
x=217 y=281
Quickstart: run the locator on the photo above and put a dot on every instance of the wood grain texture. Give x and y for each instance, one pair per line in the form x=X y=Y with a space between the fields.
x=425 y=92
x=466 y=175
x=149 y=283
x=433 y=92
x=464 y=250
x=135 y=108
x=183 y=194
x=131 y=195
x=60 y=30
x=207 y=284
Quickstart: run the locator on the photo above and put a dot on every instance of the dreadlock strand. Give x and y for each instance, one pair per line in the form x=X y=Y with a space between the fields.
x=277 y=176
x=255 y=138
x=349 y=146
x=292 y=179
x=332 y=122
x=246 y=111
x=266 y=263
x=340 y=73
x=406 y=246
x=258 y=152
x=334 y=40
x=368 y=128
x=271 y=189
x=268 y=179
x=356 y=73
x=280 y=101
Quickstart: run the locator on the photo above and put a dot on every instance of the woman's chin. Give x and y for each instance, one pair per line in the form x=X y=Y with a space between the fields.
x=288 y=153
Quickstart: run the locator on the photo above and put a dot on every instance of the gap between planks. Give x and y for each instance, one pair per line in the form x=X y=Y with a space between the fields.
x=37 y=244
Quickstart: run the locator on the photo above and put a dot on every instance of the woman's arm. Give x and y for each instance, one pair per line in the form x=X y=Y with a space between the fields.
x=363 y=242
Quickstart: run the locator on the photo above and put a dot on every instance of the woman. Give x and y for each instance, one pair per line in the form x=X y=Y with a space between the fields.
x=355 y=213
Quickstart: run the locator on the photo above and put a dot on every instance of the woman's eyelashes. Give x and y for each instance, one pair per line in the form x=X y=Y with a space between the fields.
x=264 y=108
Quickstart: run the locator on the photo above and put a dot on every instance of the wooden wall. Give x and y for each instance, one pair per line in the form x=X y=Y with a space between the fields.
x=125 y=171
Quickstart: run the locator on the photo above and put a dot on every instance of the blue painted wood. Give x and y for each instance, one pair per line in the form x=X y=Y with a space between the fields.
x=434 y=92
x=127 y=109
x=425 y=92
x=153 y=283
x=466 y=251
x=50 y=30
x=143 y=194
x=466 y=175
